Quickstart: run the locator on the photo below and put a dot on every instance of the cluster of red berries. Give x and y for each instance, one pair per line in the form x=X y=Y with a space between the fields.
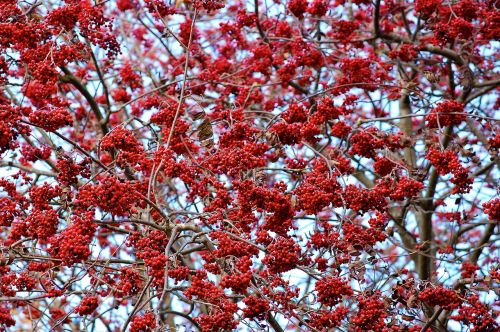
x=51 y=119
x=331 y=290
x=87 y=306
x=221 y=317
x=340 y=129
x=130 y=282
x=144 y=323
x=359 y=237
x=383 y=166
x=256 y=307
x=440 y=296
x=179 y=273
x=363 y=200
x=328 y=319
x=69 y=170
x=72 y=244
x=446 y=113
x=25 y=282
x=399 y=189
x=5 y=317
x=468 y=269
x=318 y=190
x=282 y=255
x=32 y=154
x=10 y=128
x=272 y=200
x=151 y=249
x=371 y=314
x=228 y=246
x=365 y=143
x=447 y=162
x=474 y=312
x=492 y=209
x=42 y=224
x=237 y=282
x=122 y=139
x=120 y=95
x=110 y=195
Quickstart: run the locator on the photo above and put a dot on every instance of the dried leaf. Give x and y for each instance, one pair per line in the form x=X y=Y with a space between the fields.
x=408 y=318
x=431 y=76
x=205 y=133
x=199 y=116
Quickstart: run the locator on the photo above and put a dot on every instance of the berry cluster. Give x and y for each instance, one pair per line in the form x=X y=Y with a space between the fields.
x=318 y=190
x=447 y=162
x=477 y=314
x=331 y=290
x=363 y=200
x=110 y=195
x=51 y=119
x=492 y=209
x=87 y=306
x=440 y=296
x=5 y=317
x=72 y=244
x=10 y=128
x=144 y=323
x=282 y=256
x=328 y=319
x=446 y=113
x=371 y=314
x=255 y=307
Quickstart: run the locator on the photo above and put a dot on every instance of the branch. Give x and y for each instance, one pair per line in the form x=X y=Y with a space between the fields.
x=431 y=320
x=490 y=83
x=424 y=265
x=183 y=88
x=273 y=323
x=26 y=168
x=134 y=309
x=101 y=77
x=257 y=22
x=446 y=52
x=69 y=78
x=376 y=17
x=481 y=92
x=476 y=253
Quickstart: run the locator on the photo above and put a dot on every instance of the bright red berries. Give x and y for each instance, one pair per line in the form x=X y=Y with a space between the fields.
x=283 y=255
x=440 y=296
x=297 y=7
x=72 y=244
x=446 y=113
x=121 y=139
x=255 y=307
x=87 y=306
x=51 y=120
x=447 y=162
x=111 y=195
x=5 y=317
x=331 y=290
x=10 y=128
x=144 y=323
x=371 y=314
x=477 y=314
x=492 y=209
x=42 y=224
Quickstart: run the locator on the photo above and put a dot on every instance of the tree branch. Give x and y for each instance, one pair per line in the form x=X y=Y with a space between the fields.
x=69 y=78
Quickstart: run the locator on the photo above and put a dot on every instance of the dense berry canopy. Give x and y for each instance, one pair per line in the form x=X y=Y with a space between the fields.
x=249 y=165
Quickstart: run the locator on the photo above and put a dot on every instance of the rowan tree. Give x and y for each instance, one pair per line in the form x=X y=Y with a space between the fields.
x=319 y=165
